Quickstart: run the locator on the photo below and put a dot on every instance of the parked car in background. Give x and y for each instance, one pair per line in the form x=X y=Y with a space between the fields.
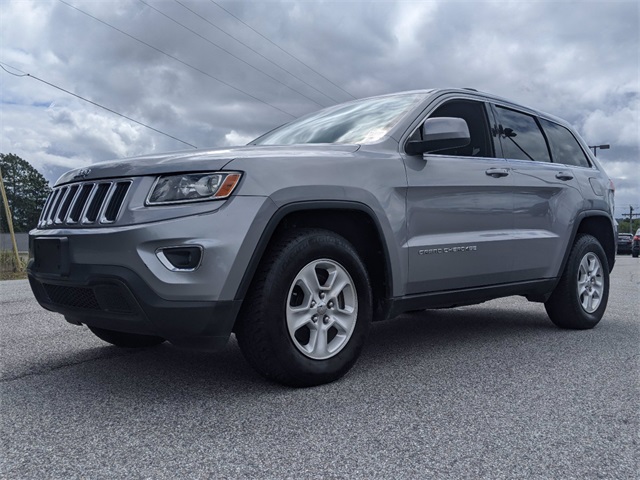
x=357 y=213
x=625 y=241
x=635 y=245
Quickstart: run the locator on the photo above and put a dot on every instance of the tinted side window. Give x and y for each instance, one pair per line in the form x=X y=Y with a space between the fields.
x=521 y=137
x=564 y=147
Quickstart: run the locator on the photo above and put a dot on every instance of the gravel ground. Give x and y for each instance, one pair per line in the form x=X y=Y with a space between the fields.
x=489 y=391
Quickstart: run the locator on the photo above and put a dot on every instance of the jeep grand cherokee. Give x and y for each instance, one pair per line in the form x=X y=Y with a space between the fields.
x=356 y=213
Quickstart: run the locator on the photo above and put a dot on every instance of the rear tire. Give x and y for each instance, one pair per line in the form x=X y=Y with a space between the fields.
x=126 y=340
x=580 y=298
x=307 y=314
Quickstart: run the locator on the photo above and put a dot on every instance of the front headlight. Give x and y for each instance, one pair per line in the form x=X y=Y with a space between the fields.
x=192 y=187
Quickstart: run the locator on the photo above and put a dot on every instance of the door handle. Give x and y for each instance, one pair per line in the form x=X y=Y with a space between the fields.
x=497 y=172
x=564 y=176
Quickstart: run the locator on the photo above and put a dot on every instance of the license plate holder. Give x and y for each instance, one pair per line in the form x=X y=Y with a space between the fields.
x=51 y=255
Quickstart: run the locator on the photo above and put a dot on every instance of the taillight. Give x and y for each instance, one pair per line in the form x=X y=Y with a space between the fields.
x=612 y=200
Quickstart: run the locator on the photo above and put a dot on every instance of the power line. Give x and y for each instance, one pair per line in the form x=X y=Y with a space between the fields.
x=253 y=50
x=91 y=102
x=11 y=73
x=281 y=49
x=176 y=59
x=228 y=52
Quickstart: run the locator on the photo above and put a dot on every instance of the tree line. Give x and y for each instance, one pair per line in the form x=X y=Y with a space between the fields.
x=624 y=227
x=27 y=191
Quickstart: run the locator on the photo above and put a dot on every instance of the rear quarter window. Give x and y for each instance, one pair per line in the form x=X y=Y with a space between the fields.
x=565 y=148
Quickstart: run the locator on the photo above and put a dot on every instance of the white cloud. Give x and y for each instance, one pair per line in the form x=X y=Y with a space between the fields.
x=412 y=19
x=234 y=138
x=619 y=127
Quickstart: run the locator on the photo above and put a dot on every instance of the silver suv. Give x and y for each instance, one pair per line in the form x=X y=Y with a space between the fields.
x=354 y=214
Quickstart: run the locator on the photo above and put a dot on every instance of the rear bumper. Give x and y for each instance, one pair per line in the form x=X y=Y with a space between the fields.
x=625 y=248
x=116 y=298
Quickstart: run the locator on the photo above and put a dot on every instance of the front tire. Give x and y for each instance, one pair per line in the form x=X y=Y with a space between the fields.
x=580 y=298
x=126 y=340
x=307 y=314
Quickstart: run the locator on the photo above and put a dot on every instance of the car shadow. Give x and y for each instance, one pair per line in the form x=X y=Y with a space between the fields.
x=171 y=372
x=419 y=330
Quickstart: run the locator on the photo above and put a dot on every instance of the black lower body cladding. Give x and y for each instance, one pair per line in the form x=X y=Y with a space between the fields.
x=102 y=296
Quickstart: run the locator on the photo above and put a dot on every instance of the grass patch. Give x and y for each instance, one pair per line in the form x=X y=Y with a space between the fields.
x=13 y=275
x=10 y=269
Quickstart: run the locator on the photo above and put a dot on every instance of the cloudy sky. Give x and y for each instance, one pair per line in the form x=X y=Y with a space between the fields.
x=193 y=70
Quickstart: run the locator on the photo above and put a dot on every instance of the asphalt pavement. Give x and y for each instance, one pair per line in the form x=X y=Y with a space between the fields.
x=487 y=391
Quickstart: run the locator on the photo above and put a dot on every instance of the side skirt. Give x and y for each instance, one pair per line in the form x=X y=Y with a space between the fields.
x=535 y=291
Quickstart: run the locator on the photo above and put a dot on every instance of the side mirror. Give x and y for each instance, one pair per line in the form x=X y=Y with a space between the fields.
x=440 y=133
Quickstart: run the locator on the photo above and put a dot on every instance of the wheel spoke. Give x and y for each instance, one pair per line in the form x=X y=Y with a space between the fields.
x=583 y=299
x=339 y=281
x=298 y=318
x=307 y=294
x=337 y=290
x=595 y=299
x=584 y=267
x=582 y=284
x=343 y=320
x=319 y=345
x=333 y=273
x=309 y=278
x=589 y=301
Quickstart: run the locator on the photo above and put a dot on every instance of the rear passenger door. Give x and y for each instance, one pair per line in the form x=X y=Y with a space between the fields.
x=546 y=195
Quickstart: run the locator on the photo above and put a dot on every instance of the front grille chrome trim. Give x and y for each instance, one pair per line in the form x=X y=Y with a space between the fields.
x=55 y=204
x=47 y=205
x=92 y=203
x=109 y=198
x=77 y=209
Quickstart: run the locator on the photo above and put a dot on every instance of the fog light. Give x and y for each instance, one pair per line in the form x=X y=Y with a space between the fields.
x=180 y=259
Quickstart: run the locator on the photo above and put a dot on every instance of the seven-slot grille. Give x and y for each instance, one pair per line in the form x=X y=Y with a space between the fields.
x=86 y=203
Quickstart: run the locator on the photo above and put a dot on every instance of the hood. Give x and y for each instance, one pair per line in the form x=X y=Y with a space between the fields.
x=196 y=160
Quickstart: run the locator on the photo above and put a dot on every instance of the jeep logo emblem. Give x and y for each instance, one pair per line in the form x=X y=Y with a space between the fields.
x=82 y=173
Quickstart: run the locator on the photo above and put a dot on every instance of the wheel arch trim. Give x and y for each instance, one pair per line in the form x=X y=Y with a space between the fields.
x=580 y=218
x=285 y=210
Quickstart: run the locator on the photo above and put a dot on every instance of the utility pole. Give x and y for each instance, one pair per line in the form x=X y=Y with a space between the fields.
x=631 y=215
x=10 y=223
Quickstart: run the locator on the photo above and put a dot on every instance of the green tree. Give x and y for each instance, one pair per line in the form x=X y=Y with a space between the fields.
x=27 y=190
x=623 y=225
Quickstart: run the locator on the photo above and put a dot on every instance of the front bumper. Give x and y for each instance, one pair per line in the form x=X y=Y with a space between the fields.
x=112 y=278
x=116 y=298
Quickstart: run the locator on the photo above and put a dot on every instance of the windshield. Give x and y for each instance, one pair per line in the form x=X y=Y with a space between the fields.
x=364 y=121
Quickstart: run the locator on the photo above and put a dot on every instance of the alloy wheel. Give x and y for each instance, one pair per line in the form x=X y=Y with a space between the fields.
x=322 y=308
